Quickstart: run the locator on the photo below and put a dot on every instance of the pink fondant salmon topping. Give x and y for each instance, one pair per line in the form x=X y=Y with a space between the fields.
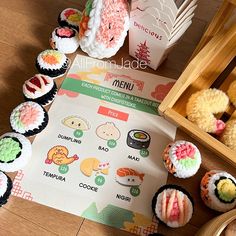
x=28 y=114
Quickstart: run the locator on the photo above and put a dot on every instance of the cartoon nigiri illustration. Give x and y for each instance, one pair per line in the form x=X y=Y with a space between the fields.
x=129 y=177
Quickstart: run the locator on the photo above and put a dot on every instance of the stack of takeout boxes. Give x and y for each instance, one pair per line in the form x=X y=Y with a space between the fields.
x=156 y=26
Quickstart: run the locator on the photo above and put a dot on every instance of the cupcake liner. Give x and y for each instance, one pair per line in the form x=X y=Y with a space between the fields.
x=45 y=99
x=24 y=156
x=53 y=72
x=4 y=198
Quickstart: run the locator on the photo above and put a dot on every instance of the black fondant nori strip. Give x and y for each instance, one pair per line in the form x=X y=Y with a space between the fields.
x=53 y=72
x=45 y=99
x=4 y=198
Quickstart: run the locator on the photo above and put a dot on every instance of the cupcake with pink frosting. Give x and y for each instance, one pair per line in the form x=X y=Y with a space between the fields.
x=182 y=159
x=64 y=39
x=28 y=119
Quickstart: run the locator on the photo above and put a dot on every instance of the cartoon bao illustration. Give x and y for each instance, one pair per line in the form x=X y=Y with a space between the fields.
x=109 y=132
x=77 y=123
x=139 y=139
x=130 y=178
x=90 y=165
x=59 y=156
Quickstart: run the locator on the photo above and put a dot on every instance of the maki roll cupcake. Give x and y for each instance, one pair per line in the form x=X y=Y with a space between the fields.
x=182 y=159
x=52 y=63
x=218 y=190
x=28 y=118
x=103 y=27
x=41 y=89
x=5 y=188
x=65 y=40
x=70 y=17
x=173 y=206
x=15 y=152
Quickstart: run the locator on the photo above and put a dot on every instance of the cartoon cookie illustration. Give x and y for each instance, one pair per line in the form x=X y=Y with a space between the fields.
x=108 y=131
x=138 y=139
x=89 y=165
x=59 y=156
x=129 y=177
x=76 y=122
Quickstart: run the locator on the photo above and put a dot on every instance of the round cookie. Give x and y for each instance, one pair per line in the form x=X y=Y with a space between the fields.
x=182 y=159
x=65 y=40
x=15 y=152
x=5 y=188
x=173 y=206
x=40 y=88
x=103 y=27
x=52 y=63
x=218 y=190
x=28 y=118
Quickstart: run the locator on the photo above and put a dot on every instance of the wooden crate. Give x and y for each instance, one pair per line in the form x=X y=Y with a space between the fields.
x=213 y=66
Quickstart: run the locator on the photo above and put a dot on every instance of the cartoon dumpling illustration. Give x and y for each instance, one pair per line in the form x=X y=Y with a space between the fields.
x=89 y=165
x=108 y=131
x=59 y=156
x=76 y=122
x=129 y=177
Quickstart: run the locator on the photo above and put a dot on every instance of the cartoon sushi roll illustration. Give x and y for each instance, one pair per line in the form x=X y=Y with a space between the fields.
x=77 y=123
x=130 y=178
x=139 y=139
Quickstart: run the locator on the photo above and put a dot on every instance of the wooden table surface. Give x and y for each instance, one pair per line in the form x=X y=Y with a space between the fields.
x=25 y=29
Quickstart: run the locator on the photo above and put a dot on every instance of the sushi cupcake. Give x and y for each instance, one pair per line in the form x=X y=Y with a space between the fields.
x=65 y=40
x=15 y=152
x=103 y=27
x=182 y=159
x=28 y=118
x=5 y=188
x=52 y=63
x=218 y=190
x=41 y=89
x=70 y=17
x=173 y=206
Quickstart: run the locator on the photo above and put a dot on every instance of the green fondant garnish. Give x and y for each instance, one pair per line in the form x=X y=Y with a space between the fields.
x=226 y=190
x=188 y=162
x=9 y=149
x=88 y=7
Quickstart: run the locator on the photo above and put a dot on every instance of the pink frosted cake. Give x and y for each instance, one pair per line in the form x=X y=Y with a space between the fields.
x=103 y=27
x=182 y=159
x=65 y=40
